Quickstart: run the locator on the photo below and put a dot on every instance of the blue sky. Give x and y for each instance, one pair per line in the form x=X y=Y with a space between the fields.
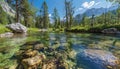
x=80 y=5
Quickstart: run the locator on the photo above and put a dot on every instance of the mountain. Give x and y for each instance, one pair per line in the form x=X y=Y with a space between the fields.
x=7 y=8
x=95 y=11
x=99 y=11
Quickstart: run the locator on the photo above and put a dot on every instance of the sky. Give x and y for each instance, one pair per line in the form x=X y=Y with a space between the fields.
x=80 y=5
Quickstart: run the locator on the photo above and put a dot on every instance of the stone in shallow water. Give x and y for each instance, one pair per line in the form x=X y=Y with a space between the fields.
x=8 y=34
x=30 y=53
x=55 y=64
x=99 y=58
x=31 y=59
x=110 y=31
x=39 y=46
x=32 y=62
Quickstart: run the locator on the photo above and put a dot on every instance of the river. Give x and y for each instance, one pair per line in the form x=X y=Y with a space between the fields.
x=77 y=42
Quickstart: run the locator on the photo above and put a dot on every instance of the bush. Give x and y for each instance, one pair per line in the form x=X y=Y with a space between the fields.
x=31 y=30
x=3 y=17
x=3 y=29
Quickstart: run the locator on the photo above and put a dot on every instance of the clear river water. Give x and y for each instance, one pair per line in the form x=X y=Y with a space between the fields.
x=77 y=42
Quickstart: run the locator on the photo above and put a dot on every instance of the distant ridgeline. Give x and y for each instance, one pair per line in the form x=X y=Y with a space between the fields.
x=96 y=12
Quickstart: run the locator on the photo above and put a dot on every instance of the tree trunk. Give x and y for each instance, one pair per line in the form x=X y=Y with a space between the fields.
x=17 y=12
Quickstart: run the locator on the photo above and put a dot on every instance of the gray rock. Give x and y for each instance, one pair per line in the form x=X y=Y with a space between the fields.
x=8 y=34
x=17 y=28
x=100 y=57
x=7 y=8
x=110 y=31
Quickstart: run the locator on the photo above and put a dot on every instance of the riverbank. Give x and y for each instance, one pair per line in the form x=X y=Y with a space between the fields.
x=75 y=29
x=94 y=29
x=3 y=29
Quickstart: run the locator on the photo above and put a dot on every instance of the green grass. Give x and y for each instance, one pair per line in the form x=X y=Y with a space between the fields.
x=98 y=27
x=3 y=29
x=30 y=30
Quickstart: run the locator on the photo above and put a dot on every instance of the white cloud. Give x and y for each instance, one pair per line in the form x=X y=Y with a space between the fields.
x=88 y=4
x=97 y=3
x=49 y=15
x=79 y=9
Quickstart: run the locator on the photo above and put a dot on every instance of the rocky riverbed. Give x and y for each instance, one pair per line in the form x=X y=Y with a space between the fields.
x=60 y=51
x=34 y=55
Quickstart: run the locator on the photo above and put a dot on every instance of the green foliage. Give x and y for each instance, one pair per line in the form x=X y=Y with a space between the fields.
x=3 y=29
x=3 y=17
x=27 y=13
x=55 y=18
x=45 y=15
x=32 y=30
x=114 y=1
x=69 y=10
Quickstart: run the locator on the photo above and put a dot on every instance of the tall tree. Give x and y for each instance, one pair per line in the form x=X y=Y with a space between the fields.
x=83 y=20
x=118 y=11
x=69 y=9
x=27 y=13
x=92 y=20
x=45 y=15
x=39 y=20
x=17 y=10
x=55 y=18
x=17 y=4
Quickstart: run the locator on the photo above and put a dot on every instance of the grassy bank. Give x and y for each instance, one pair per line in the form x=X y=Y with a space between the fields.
x=94 y=29
x=30 y=30
x=3 y=29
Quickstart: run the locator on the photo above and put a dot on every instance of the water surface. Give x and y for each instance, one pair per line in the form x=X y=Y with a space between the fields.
x=77 y=42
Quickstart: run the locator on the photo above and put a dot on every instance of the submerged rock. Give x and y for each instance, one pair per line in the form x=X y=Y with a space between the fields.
x=110 y=31
x=99 y=58
x=8 y=34
x=17 y=28
x=49 y=65
x=32 y=63
x=29 y=53
x=32 y=43
x=30 y=59
x=39 y=46
x=55 y=64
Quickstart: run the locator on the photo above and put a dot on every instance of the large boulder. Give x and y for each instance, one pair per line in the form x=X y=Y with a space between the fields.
x=110 y=31
x=99 y=59
x=17 y=28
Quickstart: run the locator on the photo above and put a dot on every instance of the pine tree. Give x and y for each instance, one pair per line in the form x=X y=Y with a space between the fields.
x=55 y=18
x=45 y=15
x=69 y=9
x=27 y=13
